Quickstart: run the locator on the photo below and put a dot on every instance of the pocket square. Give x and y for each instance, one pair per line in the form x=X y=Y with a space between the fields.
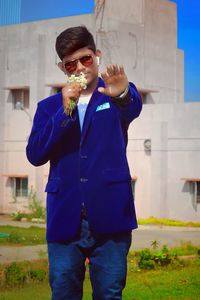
x=103 y=106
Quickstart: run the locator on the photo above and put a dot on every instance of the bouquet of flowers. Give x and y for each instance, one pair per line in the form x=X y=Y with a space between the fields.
x=83 y=83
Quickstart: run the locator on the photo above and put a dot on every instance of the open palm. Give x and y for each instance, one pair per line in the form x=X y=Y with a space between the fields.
x=115 y=81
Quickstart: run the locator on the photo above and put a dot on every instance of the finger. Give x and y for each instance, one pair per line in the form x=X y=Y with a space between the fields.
x=116 y=69
x=104 y=76
x=71 y=92
x=74 y=87
x=77 y=87
x=121 y=70
x=101 y=90
x=106 y=91
x=110 y=70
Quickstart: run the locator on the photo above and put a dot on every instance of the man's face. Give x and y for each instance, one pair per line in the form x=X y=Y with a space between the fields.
x=83 y=60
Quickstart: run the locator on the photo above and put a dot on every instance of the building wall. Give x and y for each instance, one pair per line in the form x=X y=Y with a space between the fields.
x=175 y=143
x=141 y=35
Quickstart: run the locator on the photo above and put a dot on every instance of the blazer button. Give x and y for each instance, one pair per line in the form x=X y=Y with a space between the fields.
x=83 y=179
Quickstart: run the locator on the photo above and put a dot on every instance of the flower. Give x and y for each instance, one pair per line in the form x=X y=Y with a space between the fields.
x=83 y=83
x=79 y=79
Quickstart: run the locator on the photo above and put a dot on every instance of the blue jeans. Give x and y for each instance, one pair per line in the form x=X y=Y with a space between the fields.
x=107 y=265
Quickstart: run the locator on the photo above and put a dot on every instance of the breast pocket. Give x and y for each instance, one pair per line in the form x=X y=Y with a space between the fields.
x=102 y=113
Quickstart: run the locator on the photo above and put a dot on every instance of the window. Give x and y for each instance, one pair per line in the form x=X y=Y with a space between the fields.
x=55 y=90
x=133 y=187
x=55 y=87
x=20 y=98
x=194 y=190
x=20 y=187
x=144 y=97
x=133 y=182
x=147 y=97
x=197 y=191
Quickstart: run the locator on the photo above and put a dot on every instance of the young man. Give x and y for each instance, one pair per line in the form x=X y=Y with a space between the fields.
x=90 y=208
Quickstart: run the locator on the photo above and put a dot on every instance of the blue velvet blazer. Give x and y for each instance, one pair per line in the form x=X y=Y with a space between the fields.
x=87 y=167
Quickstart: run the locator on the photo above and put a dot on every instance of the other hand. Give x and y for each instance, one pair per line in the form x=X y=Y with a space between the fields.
x=115 y=81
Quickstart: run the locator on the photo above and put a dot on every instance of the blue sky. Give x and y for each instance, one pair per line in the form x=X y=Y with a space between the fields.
x=188 y=30
x=189 y=41
x=46 y=9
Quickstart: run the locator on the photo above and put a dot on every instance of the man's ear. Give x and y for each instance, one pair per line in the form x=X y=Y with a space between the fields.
x=98 y=53
x=61 y=67
x=98 y=56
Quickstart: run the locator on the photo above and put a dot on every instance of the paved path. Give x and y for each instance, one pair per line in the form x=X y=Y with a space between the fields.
x=9 y=254
x=6 y=220
x=165 y=235
x=142 y=237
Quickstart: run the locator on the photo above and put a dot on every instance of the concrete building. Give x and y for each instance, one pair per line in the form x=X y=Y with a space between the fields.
x=164 y=143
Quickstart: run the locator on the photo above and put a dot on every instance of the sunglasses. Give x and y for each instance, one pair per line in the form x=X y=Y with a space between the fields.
x=86 y=61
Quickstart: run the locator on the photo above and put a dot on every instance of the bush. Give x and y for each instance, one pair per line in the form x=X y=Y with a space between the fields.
x=146 y=260
x=35 y=206
x=198 y=257
x=21 y=273
x=14 y=275
x=17 y=216
x=38 y=275
x=163 y=256
x=37 y=210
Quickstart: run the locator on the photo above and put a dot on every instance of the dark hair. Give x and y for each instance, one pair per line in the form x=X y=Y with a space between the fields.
x=73 y=39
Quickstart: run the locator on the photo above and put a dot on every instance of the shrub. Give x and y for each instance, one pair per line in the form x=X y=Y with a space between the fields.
x=21 y=273
x=35 y=206
x=198 y=257
x=17 y=216
x=14 y=275
x=37 y=274
x=37 y=210
x=163 y=256
x=146 y=260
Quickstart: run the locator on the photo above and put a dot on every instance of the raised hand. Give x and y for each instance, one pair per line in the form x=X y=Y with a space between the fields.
x=115 y=81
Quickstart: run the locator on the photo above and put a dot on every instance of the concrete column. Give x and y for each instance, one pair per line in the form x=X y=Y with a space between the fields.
x=159 y=167
x=37 y=93
x=41 y=63
x=2 y=115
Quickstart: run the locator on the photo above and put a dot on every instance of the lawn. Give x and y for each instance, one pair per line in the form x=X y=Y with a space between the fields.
x=167 y=222
x=178 y=281
x=33 y=235
x=171 y=283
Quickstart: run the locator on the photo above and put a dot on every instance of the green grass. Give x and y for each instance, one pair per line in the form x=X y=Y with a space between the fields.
x=19 y=236
x=168 y=284
x=23 y=236
x=165 y=222
x=164 y=284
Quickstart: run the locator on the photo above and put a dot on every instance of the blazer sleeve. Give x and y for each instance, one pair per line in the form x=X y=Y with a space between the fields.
x=47 y=131
x=130 y=106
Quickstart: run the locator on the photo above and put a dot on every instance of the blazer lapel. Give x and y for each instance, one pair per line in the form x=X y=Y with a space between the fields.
x=95 y=101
